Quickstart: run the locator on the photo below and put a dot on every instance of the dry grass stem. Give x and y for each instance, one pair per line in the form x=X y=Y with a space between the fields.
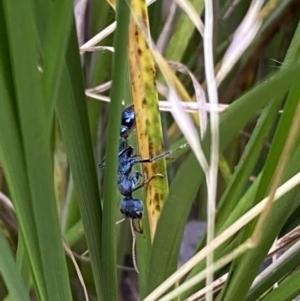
x=202 y=275
x=187 y=7
x=78 y=272
x=220 y=239
x=212 y=176
x=283 y=242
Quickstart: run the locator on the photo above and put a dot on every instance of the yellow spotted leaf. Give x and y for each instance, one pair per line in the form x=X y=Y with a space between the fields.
x=148 y=119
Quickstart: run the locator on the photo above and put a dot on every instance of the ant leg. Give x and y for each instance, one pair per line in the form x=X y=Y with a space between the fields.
x=138 y=229
x=146 y=182
x=120 y=221
x=135 y=178
x=163 y=155
x=132 y=227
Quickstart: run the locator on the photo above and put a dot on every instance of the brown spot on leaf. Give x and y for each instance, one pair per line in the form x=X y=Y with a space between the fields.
x=156 y=197
x=157 y=208
x=144 y=101
x=140 y=52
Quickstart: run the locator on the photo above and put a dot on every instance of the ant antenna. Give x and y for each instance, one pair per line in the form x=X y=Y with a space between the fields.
x=163 y=155
x=133 y=246
x=157 y=175
x=120 y=221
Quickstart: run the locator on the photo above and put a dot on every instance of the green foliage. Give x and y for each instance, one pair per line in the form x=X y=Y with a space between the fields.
x=44 y=110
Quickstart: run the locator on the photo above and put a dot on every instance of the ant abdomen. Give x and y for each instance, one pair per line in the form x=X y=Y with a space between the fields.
x=132 y=208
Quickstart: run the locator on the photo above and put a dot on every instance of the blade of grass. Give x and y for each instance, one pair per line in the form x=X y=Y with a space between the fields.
x=245 y=167
x=148 y=119
x=72 y=115
x=282 y=191
x=251 y=261
x=10 y=273
x=143 y=242
x=276 y=274
x=245 y=205
x=35 y=135
x=13 y=161
x=287 y=290
x=182 y=36
x=23 y=263
x=119 y=72
x=231 y=198
x=212 y=177
x=13 y=164
x=59 y=25
x=184 y=187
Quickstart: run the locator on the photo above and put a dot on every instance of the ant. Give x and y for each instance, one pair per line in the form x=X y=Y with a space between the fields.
x=131 y=207
x=128 y=183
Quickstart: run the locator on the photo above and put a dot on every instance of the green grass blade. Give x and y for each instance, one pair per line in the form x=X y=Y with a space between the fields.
x=245 y=167
x=35 y=169
x=278 y=215
x=231 y=205
x=72 y=115
x=23 y=263
x=10 y=273
x=59 y=24
x=277 y=274
x=252 y=260
x=119 y=72
x=182 y=36
x=13 y=163
x=184 y=187
x=287 y=290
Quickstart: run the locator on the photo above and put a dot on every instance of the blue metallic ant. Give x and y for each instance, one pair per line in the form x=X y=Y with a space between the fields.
x=129 y=182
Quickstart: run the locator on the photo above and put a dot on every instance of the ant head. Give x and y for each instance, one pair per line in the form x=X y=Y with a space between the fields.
x=128 y=122
x=128 y=117
x=132 y=208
